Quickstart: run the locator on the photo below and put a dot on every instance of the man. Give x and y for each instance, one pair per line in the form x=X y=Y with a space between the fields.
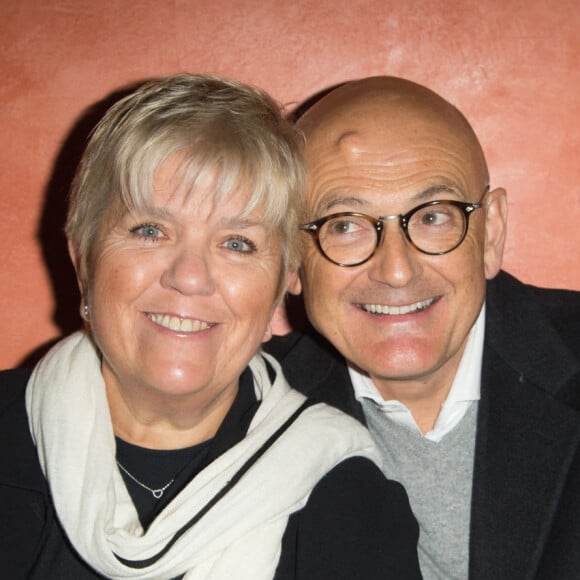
x=468 y=380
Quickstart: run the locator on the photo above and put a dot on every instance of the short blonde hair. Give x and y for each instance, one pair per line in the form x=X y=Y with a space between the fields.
x=219 y=127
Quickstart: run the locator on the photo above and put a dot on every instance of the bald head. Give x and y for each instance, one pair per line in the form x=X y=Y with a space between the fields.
x=393 y=154
x=395 y=112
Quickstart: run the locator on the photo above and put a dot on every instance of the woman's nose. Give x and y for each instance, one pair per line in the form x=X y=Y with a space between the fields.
x=395 y=261
x=188 y=271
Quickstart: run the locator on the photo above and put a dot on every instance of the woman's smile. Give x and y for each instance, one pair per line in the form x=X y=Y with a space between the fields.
x=179 y=324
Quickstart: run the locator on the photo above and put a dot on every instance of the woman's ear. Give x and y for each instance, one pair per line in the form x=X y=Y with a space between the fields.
x=74 y=256
x=496 y=212
x=83 y=306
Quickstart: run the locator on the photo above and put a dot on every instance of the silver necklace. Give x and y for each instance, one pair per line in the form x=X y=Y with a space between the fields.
x=156 y=493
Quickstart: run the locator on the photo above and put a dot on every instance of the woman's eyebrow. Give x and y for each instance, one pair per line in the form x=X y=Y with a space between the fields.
x=241 y=222
x=150 y=211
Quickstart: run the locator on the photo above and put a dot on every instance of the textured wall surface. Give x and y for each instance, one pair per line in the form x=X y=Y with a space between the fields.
x=512 y=66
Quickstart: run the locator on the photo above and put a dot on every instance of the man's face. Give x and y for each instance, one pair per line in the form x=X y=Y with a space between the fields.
x=403 y=315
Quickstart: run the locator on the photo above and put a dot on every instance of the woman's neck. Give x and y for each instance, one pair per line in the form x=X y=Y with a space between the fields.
x=160 y=421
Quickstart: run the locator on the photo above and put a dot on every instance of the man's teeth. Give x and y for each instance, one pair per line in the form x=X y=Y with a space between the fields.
x=178 y=324
x=397 y=310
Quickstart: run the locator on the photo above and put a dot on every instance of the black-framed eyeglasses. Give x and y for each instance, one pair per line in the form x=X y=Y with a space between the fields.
x=435 y=228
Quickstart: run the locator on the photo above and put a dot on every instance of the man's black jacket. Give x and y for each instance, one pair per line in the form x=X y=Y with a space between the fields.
x=525 y=516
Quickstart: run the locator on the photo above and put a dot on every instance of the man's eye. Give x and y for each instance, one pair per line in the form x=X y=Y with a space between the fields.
x=436 y=218
x=241 y=245
x=343 y=226
x=147 y=231
x=431 y=218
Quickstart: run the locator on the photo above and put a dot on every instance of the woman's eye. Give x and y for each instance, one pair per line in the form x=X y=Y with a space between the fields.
x=147 y=231
x=240 y=245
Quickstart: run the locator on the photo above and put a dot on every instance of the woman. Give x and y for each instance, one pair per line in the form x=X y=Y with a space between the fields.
x=168 y=446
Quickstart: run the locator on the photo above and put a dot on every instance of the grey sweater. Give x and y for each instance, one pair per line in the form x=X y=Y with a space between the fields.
x=438 y=478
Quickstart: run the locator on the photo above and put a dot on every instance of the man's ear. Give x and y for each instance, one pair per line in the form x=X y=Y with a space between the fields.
x=279 y=323
x=496 y=211
x=294 y=284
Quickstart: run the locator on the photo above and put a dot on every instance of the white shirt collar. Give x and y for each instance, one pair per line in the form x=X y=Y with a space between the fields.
x=465 y=389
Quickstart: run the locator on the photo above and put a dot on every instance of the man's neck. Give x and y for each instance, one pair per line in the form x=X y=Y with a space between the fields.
x=424 y=399
x=438 y=399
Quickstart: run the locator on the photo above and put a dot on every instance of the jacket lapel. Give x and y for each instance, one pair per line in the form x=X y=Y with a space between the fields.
x=526 y=437
x=315 y=368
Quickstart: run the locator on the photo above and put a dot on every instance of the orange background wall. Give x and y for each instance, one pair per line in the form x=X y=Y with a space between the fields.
x=512 y=66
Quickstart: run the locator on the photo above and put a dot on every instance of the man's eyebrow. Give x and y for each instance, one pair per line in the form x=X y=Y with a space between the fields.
x=353 y=200
x=348 y=200
x=435 y=190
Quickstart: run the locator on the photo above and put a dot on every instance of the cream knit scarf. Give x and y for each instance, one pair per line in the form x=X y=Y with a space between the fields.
x=240 y=535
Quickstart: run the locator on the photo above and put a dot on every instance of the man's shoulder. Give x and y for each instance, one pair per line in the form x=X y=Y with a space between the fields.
x=505 y=288
x=314 y=367
x=280 y=345
x=307 y=356
x=531 y=305
x=536 y=331
x=306 y=348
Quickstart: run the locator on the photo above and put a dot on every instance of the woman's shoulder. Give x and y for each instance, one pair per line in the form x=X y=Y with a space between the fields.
x=19 y=467
x=12 y=386
x=14 y=379
x=25 y=497
x=356 y=524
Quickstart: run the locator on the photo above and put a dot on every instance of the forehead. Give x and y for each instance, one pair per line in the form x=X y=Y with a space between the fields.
x=389 y=150
x=183 y=187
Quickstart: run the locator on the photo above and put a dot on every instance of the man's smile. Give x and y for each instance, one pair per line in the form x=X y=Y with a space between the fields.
x=397 y=310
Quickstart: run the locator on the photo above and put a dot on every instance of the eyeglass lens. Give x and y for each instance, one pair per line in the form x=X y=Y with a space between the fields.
x=432 y=229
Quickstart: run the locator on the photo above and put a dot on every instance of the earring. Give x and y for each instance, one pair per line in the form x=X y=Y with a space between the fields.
x=86 y=311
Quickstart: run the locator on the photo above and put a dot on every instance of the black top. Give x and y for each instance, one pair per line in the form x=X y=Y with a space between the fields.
x=155 y=468
x=356 y=524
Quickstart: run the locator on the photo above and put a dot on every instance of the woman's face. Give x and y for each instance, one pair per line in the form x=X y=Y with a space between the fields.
x=181 y=294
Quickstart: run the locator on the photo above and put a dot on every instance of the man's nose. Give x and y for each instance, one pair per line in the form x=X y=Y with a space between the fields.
x=395 y=260
x=188 y=271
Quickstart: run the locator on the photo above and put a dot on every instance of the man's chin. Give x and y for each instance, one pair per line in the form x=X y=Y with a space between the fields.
x=394 y=360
